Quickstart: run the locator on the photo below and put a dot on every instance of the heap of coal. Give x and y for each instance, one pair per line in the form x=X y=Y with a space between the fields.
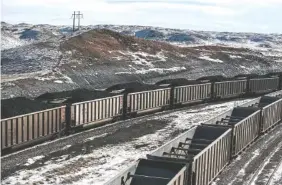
x=21 y=105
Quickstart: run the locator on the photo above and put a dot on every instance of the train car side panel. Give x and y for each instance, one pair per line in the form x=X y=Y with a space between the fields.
x=218 y=153
x=271 y=115
x=190 y=93
x=246 y=131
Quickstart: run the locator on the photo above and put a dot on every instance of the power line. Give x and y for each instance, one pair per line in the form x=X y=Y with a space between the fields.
x=75 y=16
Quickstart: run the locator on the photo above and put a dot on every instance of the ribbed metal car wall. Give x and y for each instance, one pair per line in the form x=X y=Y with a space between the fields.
x=192 y=93
x=244 y=122
x=271 y=110
x=148 y=100
x=96 y=110
x=227 y=89
x=264 y=85
x=22 y=129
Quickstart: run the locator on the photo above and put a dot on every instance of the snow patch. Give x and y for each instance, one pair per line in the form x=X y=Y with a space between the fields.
x=94 y=137
x=9 y=78
x=241 y=173
x=45 y=78
x=59 y=81
x=144 y=59
x=182 y=56
x=33 y=160
x=156 y=70
x=117 y=58
x=243 y=67
x=234 y=56
x=66 y=147
x=277 y=177
x=264 y=164
x=160 y=70
x=210 y=59
x=8 y=41
x=68 y=79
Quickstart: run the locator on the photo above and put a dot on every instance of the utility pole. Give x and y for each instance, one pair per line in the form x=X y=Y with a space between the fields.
x=79 y=19
x=76 y=16
x=73 y=24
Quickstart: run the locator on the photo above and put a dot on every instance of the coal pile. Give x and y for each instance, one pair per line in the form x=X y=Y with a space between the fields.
x=74 y=96
x=133 y=87
x=20 y=105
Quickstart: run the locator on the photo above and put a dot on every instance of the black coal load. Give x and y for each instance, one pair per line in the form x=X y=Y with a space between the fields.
x=78 y=95
x=21 y=105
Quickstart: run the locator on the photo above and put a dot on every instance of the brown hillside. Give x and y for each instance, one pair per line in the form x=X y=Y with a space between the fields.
x=100 y=43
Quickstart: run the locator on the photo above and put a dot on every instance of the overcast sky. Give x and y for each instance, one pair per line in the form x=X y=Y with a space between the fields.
x=219 y=15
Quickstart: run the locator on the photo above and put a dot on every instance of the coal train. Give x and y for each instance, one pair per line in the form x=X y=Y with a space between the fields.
x=128 y=102
x=197 y=156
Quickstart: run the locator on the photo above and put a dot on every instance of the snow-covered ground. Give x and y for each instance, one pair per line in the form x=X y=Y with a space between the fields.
x=277 y=176
x=211 y=59
x=256 y=165
x=98 y=159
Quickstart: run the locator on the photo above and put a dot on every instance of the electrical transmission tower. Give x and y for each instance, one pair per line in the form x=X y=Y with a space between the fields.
x=76 y=15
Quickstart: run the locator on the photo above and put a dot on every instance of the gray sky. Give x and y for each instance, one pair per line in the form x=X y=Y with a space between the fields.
x=219 y=15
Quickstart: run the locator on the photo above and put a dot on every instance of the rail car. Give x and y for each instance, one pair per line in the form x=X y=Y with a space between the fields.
x=227 y=89
x=206 y=149
x=135 y=99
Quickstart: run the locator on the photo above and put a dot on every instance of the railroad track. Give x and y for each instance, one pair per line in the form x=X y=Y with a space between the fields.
x=272 y=174
x=264 y=174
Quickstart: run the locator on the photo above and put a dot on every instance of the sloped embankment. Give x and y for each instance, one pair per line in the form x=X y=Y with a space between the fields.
x=101 y=58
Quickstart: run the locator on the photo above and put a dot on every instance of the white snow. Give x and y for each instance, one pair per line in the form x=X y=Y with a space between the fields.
x=57 y=77
x=117 y=58
x=157 y=70
x=94 y=137
x=160 y=70
x=241 y=173
x=265 y=162
x=142 y=58
x=8 y=40
x=45 y=78
x=59 y=81
x=67 y=79
x=66 y=147
x=9 y=78
x=211 y=59
x=277 y=177
x=182 y=56
x=33 y=160
x=234 y=56
x=105 y=162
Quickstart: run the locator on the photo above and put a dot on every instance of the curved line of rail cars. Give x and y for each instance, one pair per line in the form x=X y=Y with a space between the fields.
x=197 y=156
x=39 y=126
